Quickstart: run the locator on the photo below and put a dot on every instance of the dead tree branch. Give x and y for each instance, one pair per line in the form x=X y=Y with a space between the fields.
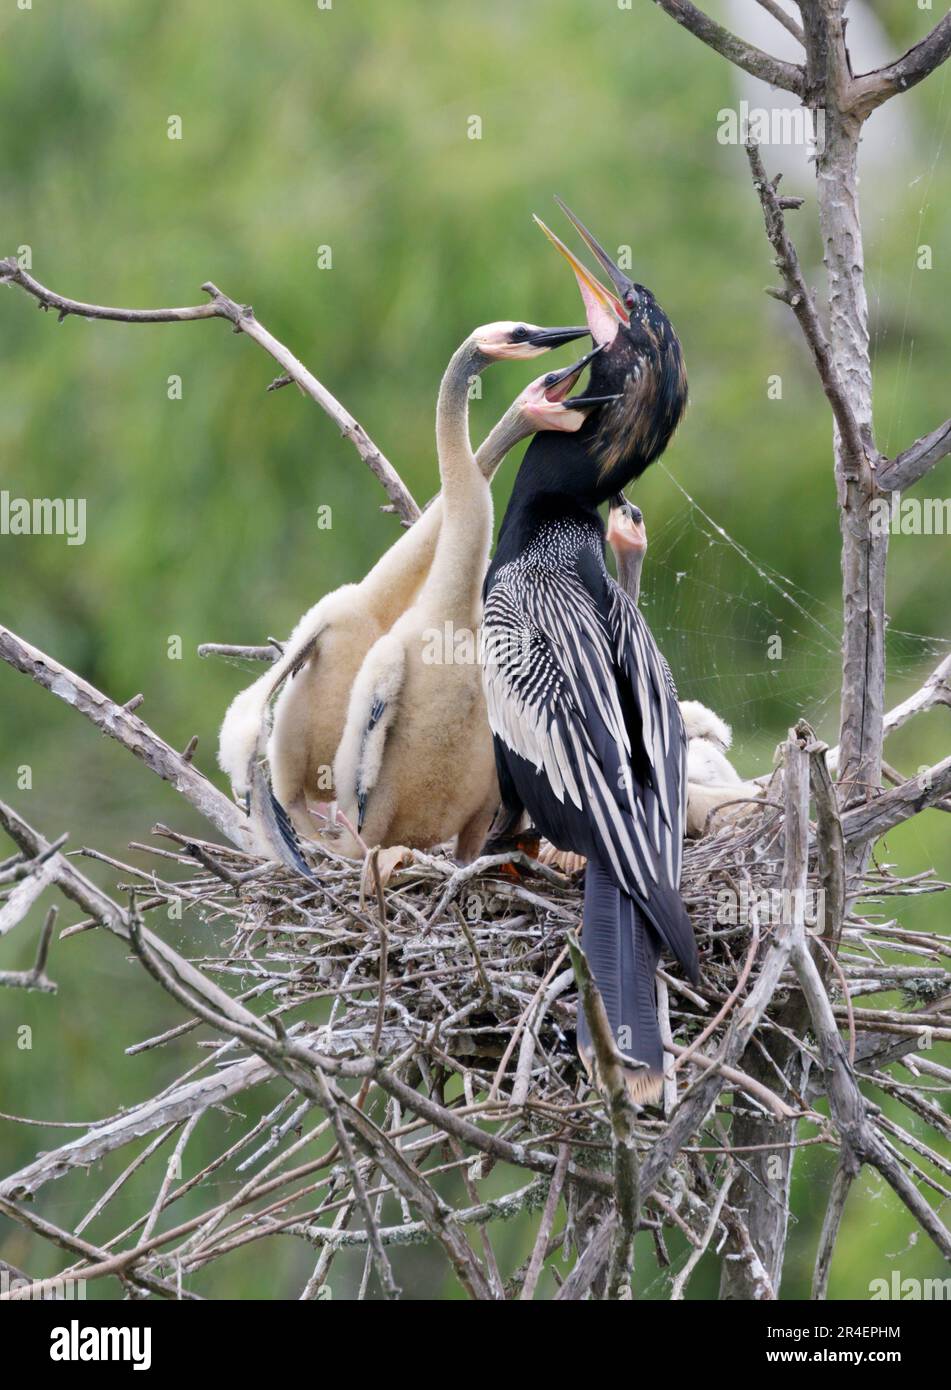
x=129 y=730
x=897 y=474
x=744 y=55
x=781 y=17
x=850 y=1109
x=36 y=978
x=866 y=823
x=270 y=653
x=243 y=320
x=935 y=690
x=869 y=89
x=797 y=295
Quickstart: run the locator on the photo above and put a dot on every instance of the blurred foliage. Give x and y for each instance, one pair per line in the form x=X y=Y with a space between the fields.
x=305 y=127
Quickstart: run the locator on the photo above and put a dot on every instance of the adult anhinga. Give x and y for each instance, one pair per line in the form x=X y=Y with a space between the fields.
x=626 y=534
x=712 y=780
x=415 y=764
x=588 y=734
x=316 y=671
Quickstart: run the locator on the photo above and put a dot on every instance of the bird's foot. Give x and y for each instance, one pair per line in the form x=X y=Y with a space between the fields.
x=565 y=860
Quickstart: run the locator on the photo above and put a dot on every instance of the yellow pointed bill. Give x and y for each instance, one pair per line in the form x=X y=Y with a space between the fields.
x=604 y=310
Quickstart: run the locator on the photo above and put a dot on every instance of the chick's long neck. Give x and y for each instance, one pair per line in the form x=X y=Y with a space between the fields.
x=394 y=581
x=455 y=580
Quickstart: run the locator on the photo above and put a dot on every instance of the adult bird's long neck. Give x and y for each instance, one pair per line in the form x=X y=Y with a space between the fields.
x=463 y=547
x=549 y=486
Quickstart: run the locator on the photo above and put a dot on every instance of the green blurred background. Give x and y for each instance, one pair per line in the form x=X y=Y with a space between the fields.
x=347 y=128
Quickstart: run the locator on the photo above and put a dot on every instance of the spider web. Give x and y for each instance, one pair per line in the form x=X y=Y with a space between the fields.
x=715 y=608
x=713 y=604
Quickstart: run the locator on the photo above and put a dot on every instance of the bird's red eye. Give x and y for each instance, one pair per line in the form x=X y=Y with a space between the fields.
x=630 y=299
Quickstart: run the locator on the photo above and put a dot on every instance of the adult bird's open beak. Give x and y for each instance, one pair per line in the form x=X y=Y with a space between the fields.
x=603 y=309
x=621 y=282
x=556 y=337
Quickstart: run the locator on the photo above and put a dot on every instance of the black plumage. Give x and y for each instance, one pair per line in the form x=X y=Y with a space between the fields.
x=588 y=733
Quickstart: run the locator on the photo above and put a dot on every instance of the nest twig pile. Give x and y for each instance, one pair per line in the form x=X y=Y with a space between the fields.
x=423 y=1042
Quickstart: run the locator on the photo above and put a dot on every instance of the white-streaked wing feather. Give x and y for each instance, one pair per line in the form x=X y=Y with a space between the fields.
x=553 y=663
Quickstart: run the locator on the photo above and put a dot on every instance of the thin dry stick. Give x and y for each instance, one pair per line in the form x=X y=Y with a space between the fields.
x=684 y=1054
x=243 y=320
x=545 y=1226
x=786 y=20
x=875 y=818
x=744 y=55
x=65 y=1241
x=270 y=653
x=897 y=474
x=697 y=1254
x=849 y=1107
x=36 y=978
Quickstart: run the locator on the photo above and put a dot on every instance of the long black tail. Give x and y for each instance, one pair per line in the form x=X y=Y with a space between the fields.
x=623 y=949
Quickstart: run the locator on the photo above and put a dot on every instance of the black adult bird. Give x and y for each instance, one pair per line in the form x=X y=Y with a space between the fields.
x=588 y=735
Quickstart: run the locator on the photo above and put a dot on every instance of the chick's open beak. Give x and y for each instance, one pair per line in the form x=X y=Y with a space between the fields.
x=626 y=530
x=558 y=384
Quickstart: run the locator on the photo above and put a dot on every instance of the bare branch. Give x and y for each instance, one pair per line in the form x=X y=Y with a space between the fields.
x=227 y=649
x=897 y=474
x=24 y=896
x=867 y=822
x=797 y=295
x=116 y=920
x=166 y=1288
x=744 y=55
x=830 y=844
x=936 y=690
x=849 y=1107
x=842 y=1180
x=537 y=1258
x=786 y=20
x=243 y=320
x=170 y=1108
x=36 y=978
x=129 y=730
x=697 y=1254
x=11 y=273
x=869 y=89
